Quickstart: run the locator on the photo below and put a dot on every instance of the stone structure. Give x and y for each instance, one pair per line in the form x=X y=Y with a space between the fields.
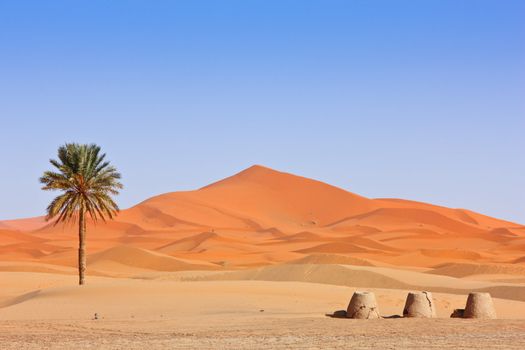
x=419 y=304
x=479 y=305
x=363 y=305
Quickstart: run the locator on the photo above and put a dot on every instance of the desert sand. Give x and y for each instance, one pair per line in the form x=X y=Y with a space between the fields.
x=258 y=260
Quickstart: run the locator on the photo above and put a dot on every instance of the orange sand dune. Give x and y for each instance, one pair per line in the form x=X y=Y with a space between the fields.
x=28 y=224
x=141 y=259
x=201 y=242
x=12 y=237
x=335 y=247
x=468 y=269
x=331 y=259
x=519 y=260
x=261 y=217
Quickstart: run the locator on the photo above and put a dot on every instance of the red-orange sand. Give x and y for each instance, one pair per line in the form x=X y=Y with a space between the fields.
x=256 y=261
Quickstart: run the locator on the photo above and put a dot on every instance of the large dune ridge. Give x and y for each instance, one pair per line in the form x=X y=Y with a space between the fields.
x=259 y=242
x=261 y=217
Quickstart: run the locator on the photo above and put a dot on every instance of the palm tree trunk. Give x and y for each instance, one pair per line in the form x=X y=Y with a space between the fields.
x=81 y=247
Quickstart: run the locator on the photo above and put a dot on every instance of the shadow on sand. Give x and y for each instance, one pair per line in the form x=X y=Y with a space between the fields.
x=342 y=314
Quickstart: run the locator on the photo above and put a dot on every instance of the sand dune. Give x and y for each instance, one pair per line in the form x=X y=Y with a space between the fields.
x=314 y=273
x=331 y=259
x=200 y=242
x=519 y=260
x=8 y=237
x=142 y=259
x=36 y=267
x=451 y=254
x=466 y=269
x=370 y=277
x=401 y=217
x=303 y=236
x=261 y=212
x=261 y=217
x=335 y=247
x=29 y=250
x=28 y=224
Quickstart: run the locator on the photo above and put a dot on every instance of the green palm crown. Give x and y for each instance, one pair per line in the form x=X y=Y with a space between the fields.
x=88 y=183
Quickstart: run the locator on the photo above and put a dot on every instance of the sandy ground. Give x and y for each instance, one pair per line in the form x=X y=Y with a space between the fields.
x=265 y=333
x=232 y=315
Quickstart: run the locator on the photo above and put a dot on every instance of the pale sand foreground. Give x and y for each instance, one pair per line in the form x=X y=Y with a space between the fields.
x=265 y=333
x=164 y=313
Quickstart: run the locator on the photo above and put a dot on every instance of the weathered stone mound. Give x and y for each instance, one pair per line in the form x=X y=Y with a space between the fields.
x=479 y=305
x=363 y=305
x=419 y=304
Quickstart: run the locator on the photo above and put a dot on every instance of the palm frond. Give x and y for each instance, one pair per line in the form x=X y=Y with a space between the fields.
x=87 y=181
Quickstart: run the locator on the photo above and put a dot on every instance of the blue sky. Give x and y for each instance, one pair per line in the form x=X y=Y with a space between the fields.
x=421 y=100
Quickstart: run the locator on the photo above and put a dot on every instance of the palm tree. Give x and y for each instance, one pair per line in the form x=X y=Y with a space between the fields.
x=88 y=183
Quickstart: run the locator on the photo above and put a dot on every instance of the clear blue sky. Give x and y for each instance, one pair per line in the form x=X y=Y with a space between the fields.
x=422 y=100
